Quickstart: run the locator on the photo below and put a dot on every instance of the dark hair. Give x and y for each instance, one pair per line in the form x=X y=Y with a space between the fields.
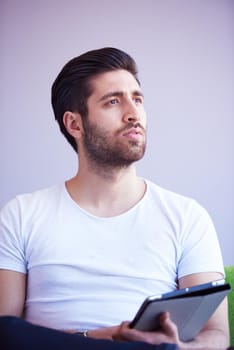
x=72 y=86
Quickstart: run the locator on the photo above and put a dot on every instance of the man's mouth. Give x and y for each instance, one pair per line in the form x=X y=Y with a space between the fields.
x=133 y=133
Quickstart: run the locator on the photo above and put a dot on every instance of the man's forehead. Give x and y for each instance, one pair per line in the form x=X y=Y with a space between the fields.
x=117 y=78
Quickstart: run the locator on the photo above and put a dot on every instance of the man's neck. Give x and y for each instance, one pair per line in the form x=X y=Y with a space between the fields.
x=106 y=194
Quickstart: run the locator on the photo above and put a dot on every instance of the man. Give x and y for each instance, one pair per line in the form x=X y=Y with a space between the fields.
x=85 y=254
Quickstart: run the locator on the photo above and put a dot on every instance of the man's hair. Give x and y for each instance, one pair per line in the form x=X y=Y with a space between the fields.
x=72 y=87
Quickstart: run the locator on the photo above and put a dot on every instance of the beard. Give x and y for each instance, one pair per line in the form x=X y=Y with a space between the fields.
x=107 y=150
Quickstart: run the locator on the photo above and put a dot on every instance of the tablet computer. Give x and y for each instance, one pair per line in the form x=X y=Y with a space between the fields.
x=190 y=308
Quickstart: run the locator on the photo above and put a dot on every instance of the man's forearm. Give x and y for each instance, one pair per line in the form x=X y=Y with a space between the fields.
x=208 y=339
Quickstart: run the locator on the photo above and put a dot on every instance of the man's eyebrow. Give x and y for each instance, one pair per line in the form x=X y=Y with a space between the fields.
x=119 y=94
x=138 y=93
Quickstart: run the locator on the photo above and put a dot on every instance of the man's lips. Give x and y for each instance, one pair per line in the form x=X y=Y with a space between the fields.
x=133 y=133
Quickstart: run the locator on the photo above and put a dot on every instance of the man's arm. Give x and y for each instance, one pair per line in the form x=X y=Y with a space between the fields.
x=12 y=292
x=214 y=335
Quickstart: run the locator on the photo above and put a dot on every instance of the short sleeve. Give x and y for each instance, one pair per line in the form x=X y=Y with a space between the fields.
x=200 y=249
x=12 y=255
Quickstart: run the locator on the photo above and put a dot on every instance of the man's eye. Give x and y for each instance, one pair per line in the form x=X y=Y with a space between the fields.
x=113 y=101
x=138 y=100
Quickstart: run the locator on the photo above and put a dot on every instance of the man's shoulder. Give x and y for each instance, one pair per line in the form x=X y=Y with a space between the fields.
x=171 y=200
x=161 y=192
x=31 y=199
x=176 y=207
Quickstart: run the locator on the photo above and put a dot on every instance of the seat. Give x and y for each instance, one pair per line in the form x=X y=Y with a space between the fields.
x=229 y=270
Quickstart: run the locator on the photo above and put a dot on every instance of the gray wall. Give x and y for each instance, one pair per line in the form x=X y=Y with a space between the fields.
x=184 y=51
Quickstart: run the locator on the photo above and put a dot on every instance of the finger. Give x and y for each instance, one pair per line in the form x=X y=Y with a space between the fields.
x=168 y=326
x=131 y=334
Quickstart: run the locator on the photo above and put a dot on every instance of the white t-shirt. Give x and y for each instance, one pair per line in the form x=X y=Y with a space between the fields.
x=88 y=272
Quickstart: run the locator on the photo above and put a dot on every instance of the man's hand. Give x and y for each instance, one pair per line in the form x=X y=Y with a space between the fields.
x=100 y=333
x=104 y=333
x=168 y=333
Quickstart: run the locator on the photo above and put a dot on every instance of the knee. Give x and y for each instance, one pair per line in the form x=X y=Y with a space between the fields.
x=7 y=324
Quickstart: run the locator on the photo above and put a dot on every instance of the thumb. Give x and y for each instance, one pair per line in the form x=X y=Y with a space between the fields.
x=168 y=326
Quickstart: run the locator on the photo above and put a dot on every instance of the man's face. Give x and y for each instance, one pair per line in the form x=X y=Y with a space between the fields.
x=115 y=128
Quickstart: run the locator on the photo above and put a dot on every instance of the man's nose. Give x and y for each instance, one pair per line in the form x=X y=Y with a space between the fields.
x=131 y=113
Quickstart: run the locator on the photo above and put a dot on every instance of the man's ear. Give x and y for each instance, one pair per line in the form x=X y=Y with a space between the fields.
x=73 y=123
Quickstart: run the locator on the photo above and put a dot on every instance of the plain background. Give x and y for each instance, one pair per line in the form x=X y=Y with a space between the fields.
x=184 y=51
